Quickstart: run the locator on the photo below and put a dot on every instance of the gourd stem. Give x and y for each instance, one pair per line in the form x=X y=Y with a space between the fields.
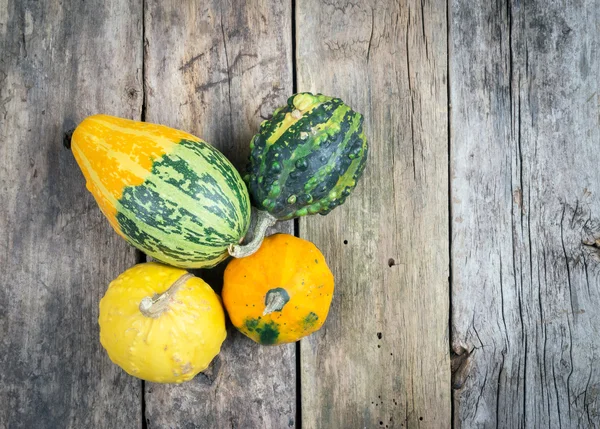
x=263 y=221
x=275 y=300
x=154 y=306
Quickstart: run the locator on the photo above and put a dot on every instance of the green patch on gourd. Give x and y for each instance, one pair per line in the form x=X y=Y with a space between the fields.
x=264 y=333
x=188 y=210
x=310 y=320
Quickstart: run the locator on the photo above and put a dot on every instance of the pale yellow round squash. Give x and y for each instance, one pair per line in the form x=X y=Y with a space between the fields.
x=160 y=323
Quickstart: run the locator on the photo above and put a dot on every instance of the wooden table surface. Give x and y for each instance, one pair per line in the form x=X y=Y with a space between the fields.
x=467 y=261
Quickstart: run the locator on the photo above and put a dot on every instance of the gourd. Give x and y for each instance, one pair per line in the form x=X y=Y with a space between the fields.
x=305 y=160
x=160 y=323
x=168 y=193
x=281 y=293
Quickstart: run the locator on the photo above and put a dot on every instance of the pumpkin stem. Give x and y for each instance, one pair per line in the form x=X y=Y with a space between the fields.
x=263 y=221
x=275 y=300
x=155 y=305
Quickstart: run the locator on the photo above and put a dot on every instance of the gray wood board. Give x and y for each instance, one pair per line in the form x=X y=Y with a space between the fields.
x=216 y=69
x=382 y=358
x=525 y=191
x=60 y=63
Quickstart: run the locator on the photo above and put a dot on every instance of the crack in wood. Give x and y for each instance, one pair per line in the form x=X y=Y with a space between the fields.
x=412 y=99
x=190 y=63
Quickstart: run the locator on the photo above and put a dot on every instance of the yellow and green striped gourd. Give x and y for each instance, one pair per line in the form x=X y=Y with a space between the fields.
x=167 y=192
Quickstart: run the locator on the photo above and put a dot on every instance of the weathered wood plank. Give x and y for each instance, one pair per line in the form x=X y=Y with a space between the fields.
x=525 y=197
x=60 y=60
x=382 y=359
x=214 y=69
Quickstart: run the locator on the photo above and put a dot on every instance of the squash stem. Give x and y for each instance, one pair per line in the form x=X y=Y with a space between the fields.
x=275 y=300
x=154 y=306
x=263 y=221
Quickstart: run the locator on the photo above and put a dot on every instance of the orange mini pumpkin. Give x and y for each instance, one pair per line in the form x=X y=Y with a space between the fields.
x=281 y=293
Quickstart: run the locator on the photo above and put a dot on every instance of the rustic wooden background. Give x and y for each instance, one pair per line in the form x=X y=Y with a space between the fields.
x=467 y=261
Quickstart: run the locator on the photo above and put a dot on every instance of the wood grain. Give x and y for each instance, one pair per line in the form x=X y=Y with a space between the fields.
x=382 y=358
x=216 y=69
x=59 y=62
x=525 y=200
